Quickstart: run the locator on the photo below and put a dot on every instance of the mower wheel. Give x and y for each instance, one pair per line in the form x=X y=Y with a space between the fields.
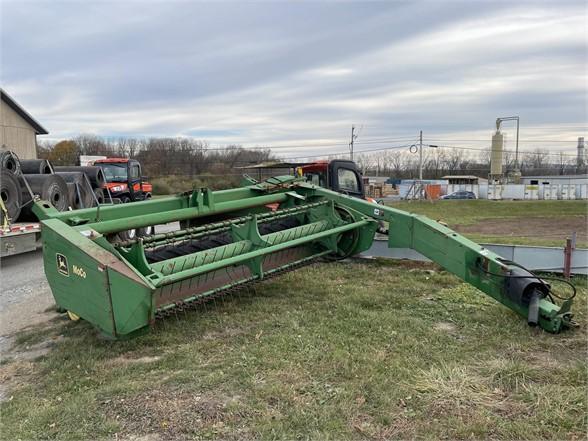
x=73 y=316
x=128 y=234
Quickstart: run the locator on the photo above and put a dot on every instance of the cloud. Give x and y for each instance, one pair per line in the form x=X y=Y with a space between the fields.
x=292 y=73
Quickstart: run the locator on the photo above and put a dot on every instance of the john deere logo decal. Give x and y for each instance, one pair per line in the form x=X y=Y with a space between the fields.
x=62 y=265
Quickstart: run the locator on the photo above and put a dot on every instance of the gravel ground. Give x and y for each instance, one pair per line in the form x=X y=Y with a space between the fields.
x=25 y=296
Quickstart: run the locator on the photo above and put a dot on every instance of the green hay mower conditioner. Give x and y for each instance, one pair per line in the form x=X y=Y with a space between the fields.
x=231 y=238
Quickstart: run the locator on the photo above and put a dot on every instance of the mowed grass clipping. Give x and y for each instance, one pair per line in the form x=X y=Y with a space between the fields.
x=542 y=223
x=351 y=350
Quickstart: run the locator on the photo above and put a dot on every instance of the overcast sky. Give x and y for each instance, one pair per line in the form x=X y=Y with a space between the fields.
x=290 y=73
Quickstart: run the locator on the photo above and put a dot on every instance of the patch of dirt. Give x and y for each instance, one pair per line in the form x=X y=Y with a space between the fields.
x=18 y=317
x=34 y=351
x=400 y=428
x=445 y=327
x=13 y=375
x=17 y=367
x=531 y=227
x=124 y=360
x=547 y=360
x=175 y=414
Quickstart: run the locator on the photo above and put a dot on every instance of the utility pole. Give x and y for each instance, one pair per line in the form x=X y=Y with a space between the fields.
x=353 y=137
x=517 y=147
x=421 y=156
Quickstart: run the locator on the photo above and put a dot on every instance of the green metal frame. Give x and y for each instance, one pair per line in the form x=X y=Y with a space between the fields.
x=115 y=286
x=466 y=259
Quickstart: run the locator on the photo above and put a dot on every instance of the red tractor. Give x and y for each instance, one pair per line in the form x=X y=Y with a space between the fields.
x=125 y=183
x=124 y=180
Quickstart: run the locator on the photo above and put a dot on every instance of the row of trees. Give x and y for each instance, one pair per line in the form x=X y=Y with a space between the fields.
x=163 y=157
x=438 y=162
x=159 y=156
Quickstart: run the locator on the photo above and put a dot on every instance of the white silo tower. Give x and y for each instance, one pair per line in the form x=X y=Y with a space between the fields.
x=581 y=161
x=496 y=154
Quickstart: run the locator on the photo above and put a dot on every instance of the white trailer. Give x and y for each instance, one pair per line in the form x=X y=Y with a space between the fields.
x=19 y=238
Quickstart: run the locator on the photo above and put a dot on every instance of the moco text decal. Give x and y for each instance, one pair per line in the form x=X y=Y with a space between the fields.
x=78 y=271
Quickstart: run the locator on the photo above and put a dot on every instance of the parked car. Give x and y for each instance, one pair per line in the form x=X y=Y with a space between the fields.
x=460 y=195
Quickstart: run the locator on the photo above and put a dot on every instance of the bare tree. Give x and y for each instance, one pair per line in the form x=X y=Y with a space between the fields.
x=536 y=159
x=453 y=159
x=93 y=145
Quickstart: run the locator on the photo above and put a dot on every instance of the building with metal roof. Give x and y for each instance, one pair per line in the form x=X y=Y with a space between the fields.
x=18 y=129
x=581 y=179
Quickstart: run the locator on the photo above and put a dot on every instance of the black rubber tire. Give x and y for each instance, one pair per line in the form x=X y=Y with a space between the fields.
x=347 y=241
x=94 y=174
x=9 y=161
x=99 y=193
x=86 y=193
x=146 y=231
x=129 y=234
x=50 y=188
x=35 y=167
x=73 y=199
x=11 y=195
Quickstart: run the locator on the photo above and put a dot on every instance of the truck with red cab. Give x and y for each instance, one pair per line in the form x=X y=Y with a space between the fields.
x=124 y=179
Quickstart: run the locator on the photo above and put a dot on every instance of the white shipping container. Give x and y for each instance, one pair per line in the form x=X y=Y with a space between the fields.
x=514 y=191
x=568 y=192
x=495 y=191
x=483 y=191
x=550 y=191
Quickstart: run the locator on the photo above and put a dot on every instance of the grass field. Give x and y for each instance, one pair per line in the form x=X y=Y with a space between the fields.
x=351 y=350
x=545 y=223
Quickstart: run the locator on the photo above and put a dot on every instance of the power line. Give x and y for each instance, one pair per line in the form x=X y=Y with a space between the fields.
x=558 y=127
x=504 y=151
x=429 y=145
x=379 y=141
x=301 y=146
x=347 y=152
x=370 y=141
x=310 y=145
x=521 y=140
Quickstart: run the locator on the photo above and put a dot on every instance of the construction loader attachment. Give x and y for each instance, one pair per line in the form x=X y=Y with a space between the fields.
x=231 y=238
